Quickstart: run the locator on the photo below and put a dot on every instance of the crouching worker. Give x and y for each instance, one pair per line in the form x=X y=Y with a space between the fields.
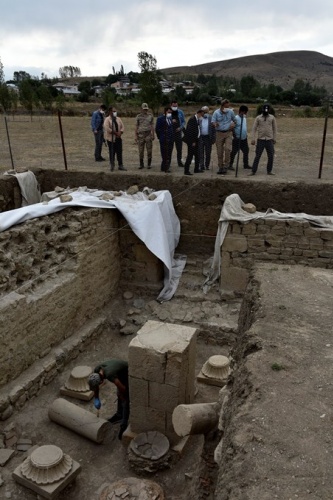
x=116 y=371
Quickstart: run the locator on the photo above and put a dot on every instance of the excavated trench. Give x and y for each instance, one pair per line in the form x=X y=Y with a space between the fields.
x=280 y=364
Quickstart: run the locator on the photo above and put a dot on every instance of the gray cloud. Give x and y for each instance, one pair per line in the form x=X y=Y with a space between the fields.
x=40 y=36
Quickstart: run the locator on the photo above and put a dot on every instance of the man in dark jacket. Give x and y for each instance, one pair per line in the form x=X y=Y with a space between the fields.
x=97 y=120
x=192 y=136
x=165 y=134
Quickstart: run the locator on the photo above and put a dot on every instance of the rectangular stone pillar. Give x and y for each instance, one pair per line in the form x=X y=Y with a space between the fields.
x=161 y=375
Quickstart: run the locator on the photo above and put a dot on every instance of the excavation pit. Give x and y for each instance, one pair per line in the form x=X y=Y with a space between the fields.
x=281 y=348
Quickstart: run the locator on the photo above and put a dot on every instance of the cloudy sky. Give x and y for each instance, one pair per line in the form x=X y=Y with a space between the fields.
x=39 y=36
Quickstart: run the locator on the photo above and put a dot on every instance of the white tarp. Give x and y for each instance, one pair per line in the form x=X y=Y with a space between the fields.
x=153 y=221
x=232 y=211
x=29 y=187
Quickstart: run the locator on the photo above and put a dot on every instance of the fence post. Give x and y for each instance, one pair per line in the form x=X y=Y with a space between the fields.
x=62 y=139
x=9 y=146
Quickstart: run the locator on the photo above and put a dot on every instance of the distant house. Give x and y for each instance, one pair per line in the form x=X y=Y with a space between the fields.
x=125 y=88
x=13 y=87
x=67 y=90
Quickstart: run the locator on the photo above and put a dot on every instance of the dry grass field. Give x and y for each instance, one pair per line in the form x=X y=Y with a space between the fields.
x=37 y=143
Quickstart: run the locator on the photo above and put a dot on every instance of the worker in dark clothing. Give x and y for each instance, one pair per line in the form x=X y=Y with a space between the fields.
x=116 y=371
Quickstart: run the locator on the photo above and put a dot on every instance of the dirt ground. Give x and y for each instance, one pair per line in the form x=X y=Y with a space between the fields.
x=279 y=441
x=105 y=463
x=279 y=444
x=37 y=144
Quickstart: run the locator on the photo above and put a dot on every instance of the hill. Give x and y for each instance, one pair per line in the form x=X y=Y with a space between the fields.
x=280 y=68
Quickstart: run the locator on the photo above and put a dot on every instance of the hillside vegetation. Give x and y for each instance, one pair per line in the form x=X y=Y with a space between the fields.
x=279 y=68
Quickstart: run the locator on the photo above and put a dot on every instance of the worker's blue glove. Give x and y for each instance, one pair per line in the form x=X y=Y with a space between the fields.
x=97 y=403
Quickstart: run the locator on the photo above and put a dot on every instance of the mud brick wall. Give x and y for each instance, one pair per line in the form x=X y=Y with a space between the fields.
x=138 y=265
x=56 y=272
x=283 y=242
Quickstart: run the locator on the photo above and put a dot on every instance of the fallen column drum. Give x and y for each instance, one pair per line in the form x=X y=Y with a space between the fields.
x=77 y=419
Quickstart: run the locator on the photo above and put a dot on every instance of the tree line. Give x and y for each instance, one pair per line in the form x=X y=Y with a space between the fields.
x=39 y=93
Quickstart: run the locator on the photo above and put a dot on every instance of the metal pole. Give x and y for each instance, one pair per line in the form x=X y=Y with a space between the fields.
x=9 y=146
x=323 y=141
x=62 y=139
x=239 y=143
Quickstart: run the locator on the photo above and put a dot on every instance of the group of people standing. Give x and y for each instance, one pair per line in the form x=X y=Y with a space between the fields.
x=223 y=128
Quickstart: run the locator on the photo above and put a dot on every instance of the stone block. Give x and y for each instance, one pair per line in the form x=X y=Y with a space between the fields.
x=325 y=254
x=4 y=403
x=144 y=364
x=142 y=254
x=234 y=243
x=316 y=243
x=147 y=419
x=311 y=232
x=163 y=397
x=5 y=455
x=81 y=395
x=16 y=393
x=49 y=491
x=138 y=391
x=326 y=234
x=249 y=228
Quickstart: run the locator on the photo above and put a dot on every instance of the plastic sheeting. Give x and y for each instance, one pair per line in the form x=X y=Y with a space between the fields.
x=232 y=211
x=153 y=221
x=29 y=187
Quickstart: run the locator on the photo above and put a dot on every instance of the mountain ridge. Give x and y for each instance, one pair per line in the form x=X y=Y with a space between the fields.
x=279 y=68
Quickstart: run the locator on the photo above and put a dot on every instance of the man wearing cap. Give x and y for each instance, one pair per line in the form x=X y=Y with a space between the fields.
x=207 y=138
x=144 y=134
x=116 y=371
x=264 y=127
x=224 y=121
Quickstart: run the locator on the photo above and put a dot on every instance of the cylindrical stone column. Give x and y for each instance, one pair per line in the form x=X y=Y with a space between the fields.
x=197 y=418
x=78 y=420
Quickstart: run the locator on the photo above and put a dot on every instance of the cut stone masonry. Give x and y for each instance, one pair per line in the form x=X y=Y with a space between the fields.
x=283 y=242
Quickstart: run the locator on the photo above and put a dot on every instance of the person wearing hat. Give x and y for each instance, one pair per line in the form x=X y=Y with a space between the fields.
x=206 y=140
x=116 y=371
x=224 y=121
x=264 y=127
x=144 y=134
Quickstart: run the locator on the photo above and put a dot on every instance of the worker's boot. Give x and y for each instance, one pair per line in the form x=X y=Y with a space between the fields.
x=149 y=162
x=141 y=164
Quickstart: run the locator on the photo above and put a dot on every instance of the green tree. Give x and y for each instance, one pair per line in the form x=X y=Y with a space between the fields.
x=85 y=86
x=108 y=96
x=28 y=96
x=45 y=96
x=19 y=76
x=249 y=86
x=151 y=90
x=69 y=71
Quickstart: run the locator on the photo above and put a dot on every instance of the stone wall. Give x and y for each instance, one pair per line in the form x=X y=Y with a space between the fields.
x=56 y=273
x=139 y=267
x=283 y=242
